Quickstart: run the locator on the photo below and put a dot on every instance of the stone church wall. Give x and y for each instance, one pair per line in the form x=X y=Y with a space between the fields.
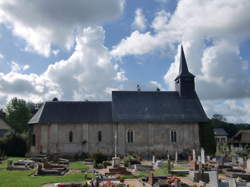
x=148 y=138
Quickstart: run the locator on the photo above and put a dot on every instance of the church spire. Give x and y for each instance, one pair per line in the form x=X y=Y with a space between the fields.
x=184 y=82
x=183 y=68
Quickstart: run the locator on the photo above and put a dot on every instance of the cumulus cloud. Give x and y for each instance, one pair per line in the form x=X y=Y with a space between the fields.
x=89 y=73
x=86 y=74
x=236 y=111
x=140 y=22
x=44 y=22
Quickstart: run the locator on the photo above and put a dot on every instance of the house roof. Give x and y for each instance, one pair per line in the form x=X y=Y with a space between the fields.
x=4 y=125
x=73 y=112
x=242 y=136
x=220 y=132
x=153 y=106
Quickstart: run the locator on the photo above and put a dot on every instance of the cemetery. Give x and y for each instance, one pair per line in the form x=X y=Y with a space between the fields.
x=99 y=170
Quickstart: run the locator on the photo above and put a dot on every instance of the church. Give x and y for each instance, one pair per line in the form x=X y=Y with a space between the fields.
x=134 y=122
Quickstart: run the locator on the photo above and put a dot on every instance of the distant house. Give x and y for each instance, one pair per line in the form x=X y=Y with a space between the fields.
x=141 y=122
x=241 y=139
x=4 y=127
x=220 y=135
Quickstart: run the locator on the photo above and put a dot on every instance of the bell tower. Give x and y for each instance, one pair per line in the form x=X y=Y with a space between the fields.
x=184 y=82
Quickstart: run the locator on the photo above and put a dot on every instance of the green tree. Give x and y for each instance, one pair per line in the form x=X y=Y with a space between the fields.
x=207 y=139
x=18 y=113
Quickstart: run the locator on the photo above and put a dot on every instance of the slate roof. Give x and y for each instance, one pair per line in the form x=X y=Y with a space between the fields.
x=183 y=68
x=220 y=132
x=73 y=112
x=159 y=107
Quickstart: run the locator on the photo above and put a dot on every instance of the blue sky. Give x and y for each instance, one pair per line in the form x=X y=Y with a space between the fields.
x=77 y=50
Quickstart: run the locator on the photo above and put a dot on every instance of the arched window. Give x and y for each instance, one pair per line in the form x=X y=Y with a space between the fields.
x=130 y=136
x=99 y=136
x=33 y=140
x=173 y=136
x=70 y=136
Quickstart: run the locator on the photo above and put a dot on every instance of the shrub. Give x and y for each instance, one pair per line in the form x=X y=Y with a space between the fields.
x=99 y=157
x=14 y=145
x=106 y=163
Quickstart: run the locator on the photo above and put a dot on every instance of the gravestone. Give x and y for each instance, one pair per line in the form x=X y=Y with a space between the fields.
x=213 y=179
x=153 y=159
x=115 y=162
x=208 y=158
x=159 y=163
x=232 y=182
x=202 y=156
x=176 y=157
x=194 y=155
x=199 y=158
x=248 y=165
x=234 y=160
x=241 y=161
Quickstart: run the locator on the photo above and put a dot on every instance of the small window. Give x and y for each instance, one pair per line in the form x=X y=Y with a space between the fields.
x=70 y=136
x=130 y=136
x=99 y=136
x=33 y=140
x=173 y=136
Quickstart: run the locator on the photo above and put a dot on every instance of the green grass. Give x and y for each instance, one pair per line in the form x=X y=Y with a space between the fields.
x=162 y=172
x=22 y=178
x=78 y=165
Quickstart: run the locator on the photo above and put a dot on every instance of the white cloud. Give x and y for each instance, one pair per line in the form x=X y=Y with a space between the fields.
x=44 y=22
x=87 y=74
x=236 y=111
x=140 y=21
x=26 y=67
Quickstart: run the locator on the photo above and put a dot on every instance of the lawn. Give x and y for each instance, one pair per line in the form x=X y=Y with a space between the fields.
x=22 y=178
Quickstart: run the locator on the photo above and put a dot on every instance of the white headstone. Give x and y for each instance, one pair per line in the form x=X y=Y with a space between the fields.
x=153 y=159
x=213 y=179
x=176 y=156
x=202 y=156
x=208 y=158
x=199 y=158
x=194 y=155
x=232 y=182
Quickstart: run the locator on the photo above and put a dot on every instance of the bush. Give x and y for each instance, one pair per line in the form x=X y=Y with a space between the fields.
x=106 y=163
x=130 y=160
x=99 y=157
x=14 y=145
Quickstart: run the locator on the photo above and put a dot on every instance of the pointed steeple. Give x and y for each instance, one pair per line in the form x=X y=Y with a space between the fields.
x=184 y=82
x=183 y=68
